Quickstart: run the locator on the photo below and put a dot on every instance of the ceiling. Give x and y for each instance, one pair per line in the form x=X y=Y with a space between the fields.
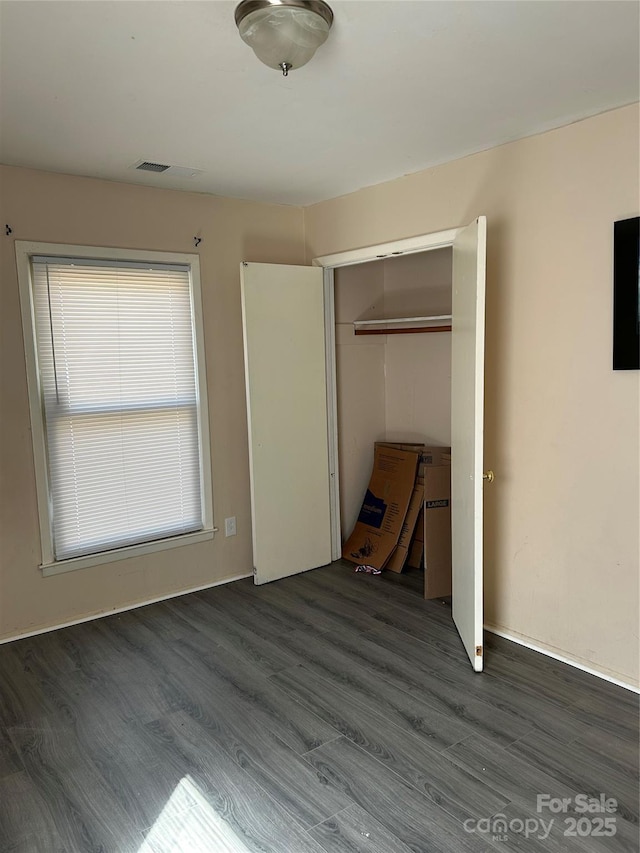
x=92 y=88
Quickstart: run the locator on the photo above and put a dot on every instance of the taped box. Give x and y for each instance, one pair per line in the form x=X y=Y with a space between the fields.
x=379 y=525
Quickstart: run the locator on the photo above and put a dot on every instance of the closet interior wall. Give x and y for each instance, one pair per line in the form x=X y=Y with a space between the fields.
x=394 y=387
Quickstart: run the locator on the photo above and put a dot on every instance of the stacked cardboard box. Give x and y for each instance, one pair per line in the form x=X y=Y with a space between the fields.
x=406 y=514
x=383 y=511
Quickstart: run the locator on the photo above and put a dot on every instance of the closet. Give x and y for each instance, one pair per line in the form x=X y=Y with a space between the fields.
x=348 y=350
x=393 y=362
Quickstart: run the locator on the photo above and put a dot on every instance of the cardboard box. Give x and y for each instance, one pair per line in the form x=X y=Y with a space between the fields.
x=437 y=532
x=409 y=553
x=384 y=508
x=427 y=454
x=399 y=557
x=416 y=550
x=419 y=537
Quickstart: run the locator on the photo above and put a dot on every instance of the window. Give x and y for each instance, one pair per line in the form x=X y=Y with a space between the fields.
x=118 y=401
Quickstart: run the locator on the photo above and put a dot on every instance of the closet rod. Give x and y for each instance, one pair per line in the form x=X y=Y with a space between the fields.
x=402 y=331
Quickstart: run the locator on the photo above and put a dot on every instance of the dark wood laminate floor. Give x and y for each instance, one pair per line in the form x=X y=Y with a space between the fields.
x=326 y=712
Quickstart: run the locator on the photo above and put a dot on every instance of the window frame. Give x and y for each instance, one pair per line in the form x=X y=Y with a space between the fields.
x=24 y=252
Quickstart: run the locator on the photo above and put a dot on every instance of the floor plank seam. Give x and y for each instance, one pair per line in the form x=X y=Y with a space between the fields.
x=402 y=780
x=331 y=817
x=320 y=745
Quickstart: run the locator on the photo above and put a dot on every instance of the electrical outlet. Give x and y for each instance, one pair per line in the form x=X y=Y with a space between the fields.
x=230 y=526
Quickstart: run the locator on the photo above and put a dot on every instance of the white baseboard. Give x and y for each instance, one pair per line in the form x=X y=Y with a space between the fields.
x=102 y=613
x=515 y=639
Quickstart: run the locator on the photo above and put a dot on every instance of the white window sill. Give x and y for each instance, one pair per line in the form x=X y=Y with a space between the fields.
x=75 y=563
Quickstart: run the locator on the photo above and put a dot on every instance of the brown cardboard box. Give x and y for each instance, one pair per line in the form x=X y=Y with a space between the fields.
x=415 y=553
x=416 y=549
x=428 y=454
x=428 y=457
x=437 y=532
x=384 y=508
x=399 y=557
x=419 y=536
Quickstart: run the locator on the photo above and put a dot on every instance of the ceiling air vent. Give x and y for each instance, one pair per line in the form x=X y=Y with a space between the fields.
x=152 y=167
x=165 y=169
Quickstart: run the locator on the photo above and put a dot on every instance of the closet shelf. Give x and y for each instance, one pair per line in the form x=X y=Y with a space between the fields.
x=403 y=325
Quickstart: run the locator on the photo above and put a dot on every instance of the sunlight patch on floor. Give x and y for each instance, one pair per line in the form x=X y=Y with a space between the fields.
x=189 y=824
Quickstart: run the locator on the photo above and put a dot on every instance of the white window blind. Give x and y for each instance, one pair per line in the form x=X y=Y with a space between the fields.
x=116 y=358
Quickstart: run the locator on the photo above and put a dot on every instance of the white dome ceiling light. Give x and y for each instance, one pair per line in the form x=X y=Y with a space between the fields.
x=284 y=34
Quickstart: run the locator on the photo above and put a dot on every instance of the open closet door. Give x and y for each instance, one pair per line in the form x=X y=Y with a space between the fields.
x=285 y=372
x=467 y=430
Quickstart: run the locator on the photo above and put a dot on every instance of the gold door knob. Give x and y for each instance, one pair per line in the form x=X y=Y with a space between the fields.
x=489 y=476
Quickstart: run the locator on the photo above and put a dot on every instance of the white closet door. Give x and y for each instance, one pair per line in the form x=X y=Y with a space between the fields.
x=467 y=429
x=285 y=371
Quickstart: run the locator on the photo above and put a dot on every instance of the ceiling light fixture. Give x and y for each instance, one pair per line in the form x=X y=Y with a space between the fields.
x=284 y=34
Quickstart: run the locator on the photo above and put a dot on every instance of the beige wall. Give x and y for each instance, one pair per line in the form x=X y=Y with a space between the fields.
x=418 y=388
x=562 y=429
x=418 y=367
x=61 y=209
